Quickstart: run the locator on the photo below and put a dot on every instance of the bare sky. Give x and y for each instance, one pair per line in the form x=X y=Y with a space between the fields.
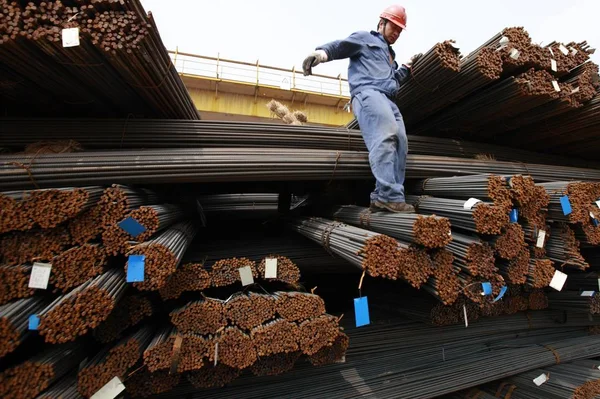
x=282 y=33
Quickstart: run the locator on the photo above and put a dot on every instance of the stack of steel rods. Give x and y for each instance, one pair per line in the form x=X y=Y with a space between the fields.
x=163 y=254
x=189 y=277
x=486 y=187
x=153 y=218
x=159 y=352
x=540 y=273
x=213 y=376
x=205 y=317
x=480 y=217
x=31 y=377
x=515 y=271
x=225 y=203
x=377 y=254
x=15 y=283
x=196 y=351
x=444 y=283
x=582 y=197
x=510 y=243
x=563 y=248
x=429 y=231
x=82 y=309
x=287 y=270
x=510 y=97
x=506 y=42
x=145 y=383
x=283 y=362
x=573 y=301
x=225 y=272
x=17 y=248
x=112 y=361
x=14 y=321
x=65 y=388
x=132 y=310
x=120 y=64
x=472 y=255
x=117 y=201
x=77 y=265
x=430 y=72
x=45 y=208
x=249 y=311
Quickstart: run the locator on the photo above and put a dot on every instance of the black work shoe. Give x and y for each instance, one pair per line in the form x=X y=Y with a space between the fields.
x=396 y=207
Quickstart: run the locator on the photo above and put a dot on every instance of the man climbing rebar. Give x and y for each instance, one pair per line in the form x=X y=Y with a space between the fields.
x=374 y=78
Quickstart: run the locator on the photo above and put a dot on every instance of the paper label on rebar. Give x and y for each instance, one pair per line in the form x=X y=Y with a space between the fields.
x=504 y=41
x=135 y=268
x=70 y=37
x=566 y=205
x=588 y=293
x=111 y=390
x=551 y=52
x=563 y=49
x=575 y=90
x=33 y=322
x=599 y=284
x=132 y=227
x=514 y=54
x=592 y=215
x=470 y=203
x=487 y=288
x=271 y=268
x=541 y=239
x=553 y=65
x=540 y=380
x=465 y=313
x=40 y=275
x=342 y=360
x=502 y=292
x=558 y=281
x=361 y=311
x=246 y=275
x=555 y=85
x=598 y=203
x=573 y=50
x=216 y=353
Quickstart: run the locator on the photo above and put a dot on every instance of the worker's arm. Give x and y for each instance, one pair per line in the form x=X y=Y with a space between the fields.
x=402 y=74
x=336 y=50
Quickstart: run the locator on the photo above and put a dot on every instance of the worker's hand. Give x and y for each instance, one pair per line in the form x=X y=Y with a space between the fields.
x=413 y=59
x=313 y=59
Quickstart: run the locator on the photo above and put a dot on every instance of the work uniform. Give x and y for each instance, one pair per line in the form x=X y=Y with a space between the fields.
x=374 y=79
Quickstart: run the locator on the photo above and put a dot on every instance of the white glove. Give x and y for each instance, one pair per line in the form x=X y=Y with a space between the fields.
x=413 y=59
x=313 y=59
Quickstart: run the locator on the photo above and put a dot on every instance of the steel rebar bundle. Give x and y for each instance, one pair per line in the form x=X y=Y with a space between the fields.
x=213 y=376
x=377 y=254
x=510 y=243
x=429 y=231
x=299 y=306
x=158 y=353
x=154 y=218
x=14 y=321
x=227 y=205
x=65 y=388
x=17 y=248
x=205 y=316
x=111 y=361
x=515 y=271
x=249 y=311
x=196 y=351
x=34 y=375
x=430 y=72
x=287 y=270
x=132 y=310
x=225 y=272
x=163 y=254
x=472 y=255
x=483 y=218
x=144 y=383
x=563 y=248
x=573 y=301
x=189 y=277
x=23 y=210
x=117 y=201
x=540 y=274
x=77 y=265
x=15 y=283
x=531 y=200
x=120 y=64
x=489 y=188
x=82 y=309
x=275 y=364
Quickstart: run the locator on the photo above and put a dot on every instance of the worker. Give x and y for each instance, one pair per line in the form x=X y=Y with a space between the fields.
x=374 y=78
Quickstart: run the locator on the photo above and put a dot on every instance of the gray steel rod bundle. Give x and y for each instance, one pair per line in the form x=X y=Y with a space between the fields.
x=429 y=231
x=581 y=196
x=34 y=375
x=65 y=388
x=377 y=254
x=472 y=255
x=85 y=307
x=15 y=283
x=573 y=301
x=14 y=321
x=163 y=254
x=239 y=202
x=482 y=217
x=132 y=310
x=563 y=248
x=485 y=187
x=430 y=72
x=101 y=134
x=120 y=64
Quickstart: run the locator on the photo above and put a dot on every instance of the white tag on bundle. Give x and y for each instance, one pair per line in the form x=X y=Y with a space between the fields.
x=40 y=274
x=555 y=85
x=541 y=239
x=598 y=203
x=465 y=313
x=70 y=37
x=470 y=203
x=504 y=41
x=551 y=52
x=588 y=293
x=553 y=65
x=271 y=268
x=111 y=390
x=246 y=275
x=575 y=90
x=563 y=49
x=558 y=281
x=540 y=380
x=514 y=54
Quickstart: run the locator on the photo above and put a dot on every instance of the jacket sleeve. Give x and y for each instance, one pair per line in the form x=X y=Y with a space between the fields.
x=402 y=74
x=345 y=48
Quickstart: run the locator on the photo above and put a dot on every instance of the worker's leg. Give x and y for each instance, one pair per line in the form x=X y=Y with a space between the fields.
x=380 y=131
x=402 y=146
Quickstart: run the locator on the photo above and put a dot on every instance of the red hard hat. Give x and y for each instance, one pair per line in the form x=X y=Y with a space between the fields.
x=395 y=14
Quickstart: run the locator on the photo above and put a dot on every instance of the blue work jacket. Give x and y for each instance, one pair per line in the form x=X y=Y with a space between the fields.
x=372 y=62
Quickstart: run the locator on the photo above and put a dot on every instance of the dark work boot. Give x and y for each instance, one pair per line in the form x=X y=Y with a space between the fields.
x=396 y=207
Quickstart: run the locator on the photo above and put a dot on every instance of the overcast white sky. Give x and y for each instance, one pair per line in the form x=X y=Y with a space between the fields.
x=282 y=33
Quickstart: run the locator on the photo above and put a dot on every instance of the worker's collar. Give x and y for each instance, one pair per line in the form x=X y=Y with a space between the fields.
x=380 y=36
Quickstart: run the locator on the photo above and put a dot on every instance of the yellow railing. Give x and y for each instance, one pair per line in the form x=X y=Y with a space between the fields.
x=260 y=75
